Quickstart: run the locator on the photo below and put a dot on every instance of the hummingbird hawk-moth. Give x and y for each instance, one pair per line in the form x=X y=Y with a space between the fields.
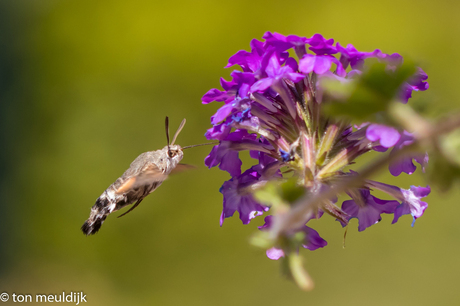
x=144 y=175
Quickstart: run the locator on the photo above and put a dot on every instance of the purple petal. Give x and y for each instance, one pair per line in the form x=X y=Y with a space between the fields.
x=273 y=65
x=403 y=209
x=367 y=215
x=231 y=163
x=212 y=159
x=214 y=95
x=405 y=164
x=405 y=93
x=299 y=44
x=222 y=113
x=420 y=192
x=388 y=136
x=228 y=85
x=350 y=55
x=296 y=40
x=322 y=64
x=274 y=253
x=340 y=71
x=415 y=83
x=240 y=58
x=275 y=73
x=262 y=85
x=307 y=63
x=294 y=77
x=225 y=155
x=249 y=61
x=218 y=132
x=268 y=223
x=369 y=212
x=278 y=41
x=393 y=60
x=321 y=46
x=410 y=199
x=292 y=63
x=418 y=80
x=412 y=203
x=313 y=241
x=237 y=200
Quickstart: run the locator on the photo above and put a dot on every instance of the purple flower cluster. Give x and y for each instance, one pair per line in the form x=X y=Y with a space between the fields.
x=272 y=108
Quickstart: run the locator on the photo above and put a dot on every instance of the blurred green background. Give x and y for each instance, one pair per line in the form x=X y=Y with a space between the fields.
x=85 y=86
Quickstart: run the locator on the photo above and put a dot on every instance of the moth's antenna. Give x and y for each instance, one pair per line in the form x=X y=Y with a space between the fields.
x=181 y=126
x=199 y=145
x=167 y=132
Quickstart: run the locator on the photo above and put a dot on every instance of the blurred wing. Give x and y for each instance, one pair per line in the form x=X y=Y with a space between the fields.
x=147 y=176
x=181 y=168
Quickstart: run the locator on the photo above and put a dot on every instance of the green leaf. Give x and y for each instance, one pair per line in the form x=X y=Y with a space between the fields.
x=450 y=146
x=291 y=190
x=269 y=194
x=442 y=173
x=371 y=93
x=444 y=165
x=298 y=272
x=262 y=240
x=278 y=193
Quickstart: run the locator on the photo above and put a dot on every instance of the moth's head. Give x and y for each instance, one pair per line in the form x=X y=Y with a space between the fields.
x=175 y=152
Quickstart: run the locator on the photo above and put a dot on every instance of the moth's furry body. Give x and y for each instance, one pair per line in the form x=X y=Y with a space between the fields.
x=144 y=175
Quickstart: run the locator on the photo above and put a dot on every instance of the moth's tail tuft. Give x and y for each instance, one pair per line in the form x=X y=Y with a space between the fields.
x=99 y=213
x=91 y=228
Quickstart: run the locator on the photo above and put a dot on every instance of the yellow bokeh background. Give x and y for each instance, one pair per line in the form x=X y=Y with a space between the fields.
x=85 y=86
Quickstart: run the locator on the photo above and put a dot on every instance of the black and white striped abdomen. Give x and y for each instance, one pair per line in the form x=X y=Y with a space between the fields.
x=109 y=202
